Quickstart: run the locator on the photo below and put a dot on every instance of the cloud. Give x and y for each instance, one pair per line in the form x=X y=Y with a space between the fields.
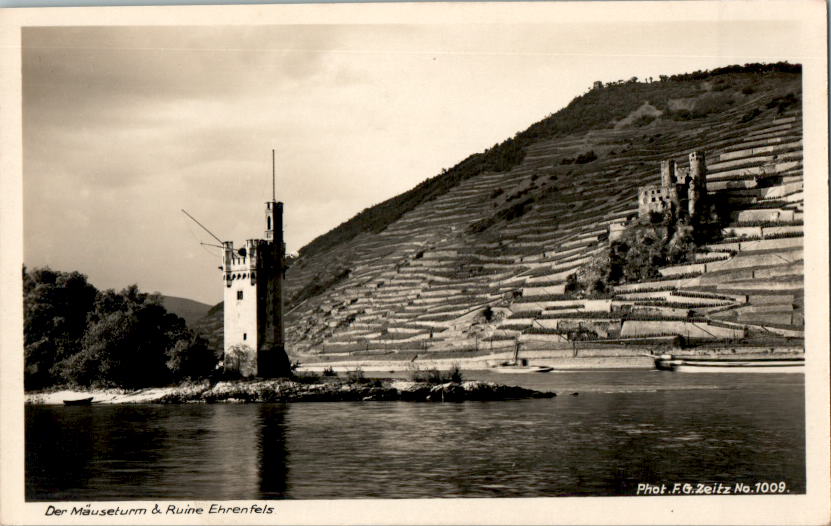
x=123 y=126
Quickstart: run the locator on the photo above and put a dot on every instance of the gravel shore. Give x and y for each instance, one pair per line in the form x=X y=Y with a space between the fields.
x=292 y=391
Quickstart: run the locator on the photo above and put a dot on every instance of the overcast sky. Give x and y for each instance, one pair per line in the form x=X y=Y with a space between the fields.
x=124 y=126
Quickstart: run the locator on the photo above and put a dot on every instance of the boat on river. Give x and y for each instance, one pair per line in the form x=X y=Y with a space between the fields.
x=79 y=401
x=520 y=365
x=701 y=364
x=515 y=368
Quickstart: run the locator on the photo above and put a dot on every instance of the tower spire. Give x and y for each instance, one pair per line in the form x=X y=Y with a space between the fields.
x=273 y=177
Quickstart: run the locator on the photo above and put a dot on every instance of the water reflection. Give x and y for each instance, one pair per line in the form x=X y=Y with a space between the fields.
x=272 y=451
x=596 y=444
x=161 y=452
x=56 y=460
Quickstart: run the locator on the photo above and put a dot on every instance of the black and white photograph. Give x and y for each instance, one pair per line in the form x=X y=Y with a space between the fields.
x=445 y=263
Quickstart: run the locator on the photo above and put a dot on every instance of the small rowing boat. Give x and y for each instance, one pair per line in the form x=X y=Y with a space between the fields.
x=697 y=364
x=80 y=401
x=520 y=365
x=520 y=369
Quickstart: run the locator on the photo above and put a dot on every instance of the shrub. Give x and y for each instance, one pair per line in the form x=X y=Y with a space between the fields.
x=307 y=377
x=481 y=225
x=768 y=223
x=488 y=313
x=782 y=103
x=781 y=235
x=356 y=376
x=434 y=376
x=516 y=211
x=712 y=103
x=329 y=371
x=587 y=157
x=642 y=121
x=752 y=114
x=456 y=373
x=239 y=360
x=191 y=359
x=681 y=115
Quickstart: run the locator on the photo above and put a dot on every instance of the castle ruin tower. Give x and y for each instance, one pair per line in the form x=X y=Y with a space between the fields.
x=254 y=341
x=668 y=183
x=697 y=192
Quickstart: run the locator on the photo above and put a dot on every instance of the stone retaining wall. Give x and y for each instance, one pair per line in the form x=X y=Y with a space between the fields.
x=763 y=214
x=530 y=292
x=683 y=269
x=632 y=328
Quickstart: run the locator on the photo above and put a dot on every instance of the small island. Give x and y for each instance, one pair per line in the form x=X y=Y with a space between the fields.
x=298 y=389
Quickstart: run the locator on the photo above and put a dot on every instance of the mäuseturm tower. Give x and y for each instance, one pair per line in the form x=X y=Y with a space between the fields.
x=253 y=275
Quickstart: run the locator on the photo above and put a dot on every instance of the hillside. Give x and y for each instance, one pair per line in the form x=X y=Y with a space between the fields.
x=485 y=256
x=191 y=311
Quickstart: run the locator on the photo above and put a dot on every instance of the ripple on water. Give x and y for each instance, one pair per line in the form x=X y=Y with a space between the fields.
x=652 y=428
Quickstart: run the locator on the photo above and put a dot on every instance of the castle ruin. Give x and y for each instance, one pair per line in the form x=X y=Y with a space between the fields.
x=683 y=190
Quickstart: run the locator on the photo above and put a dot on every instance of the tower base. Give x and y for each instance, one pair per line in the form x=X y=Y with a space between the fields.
x=273 y=362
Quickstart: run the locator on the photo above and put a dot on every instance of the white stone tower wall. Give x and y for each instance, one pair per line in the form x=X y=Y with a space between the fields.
x=240 y=316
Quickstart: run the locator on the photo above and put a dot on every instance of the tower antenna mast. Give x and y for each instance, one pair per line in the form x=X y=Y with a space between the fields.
x=201 y=225
x=273 y=184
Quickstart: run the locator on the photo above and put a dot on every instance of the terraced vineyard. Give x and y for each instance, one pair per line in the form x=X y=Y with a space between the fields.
x=485 y=265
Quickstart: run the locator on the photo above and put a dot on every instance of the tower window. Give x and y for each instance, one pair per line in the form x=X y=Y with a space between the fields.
x=239 y=294
x=269 y=222
x=244 y=336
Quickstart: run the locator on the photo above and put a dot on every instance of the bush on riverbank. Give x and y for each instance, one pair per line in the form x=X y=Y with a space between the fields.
x=434 y=376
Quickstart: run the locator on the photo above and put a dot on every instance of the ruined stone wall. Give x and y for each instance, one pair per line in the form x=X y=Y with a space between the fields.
x=652 y=198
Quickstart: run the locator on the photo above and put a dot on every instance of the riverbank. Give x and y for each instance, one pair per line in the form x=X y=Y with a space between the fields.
x=334 y=390
x=559 y=359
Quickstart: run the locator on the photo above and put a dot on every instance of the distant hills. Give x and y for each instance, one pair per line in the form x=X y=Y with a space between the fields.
x=485 y=255
x=190 y=310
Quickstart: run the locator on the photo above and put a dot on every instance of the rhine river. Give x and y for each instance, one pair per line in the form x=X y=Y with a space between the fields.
x=625 y=427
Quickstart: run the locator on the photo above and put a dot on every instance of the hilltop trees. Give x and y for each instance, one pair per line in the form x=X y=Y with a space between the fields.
x=75 y=334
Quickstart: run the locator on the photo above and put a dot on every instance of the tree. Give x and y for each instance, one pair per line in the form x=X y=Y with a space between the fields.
x=488 y=313
x=55 y=309
x=572 y=284
x=240 y=359
x=122 y=348
x=75 y=334
x=125 y=342
x=191 y=359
